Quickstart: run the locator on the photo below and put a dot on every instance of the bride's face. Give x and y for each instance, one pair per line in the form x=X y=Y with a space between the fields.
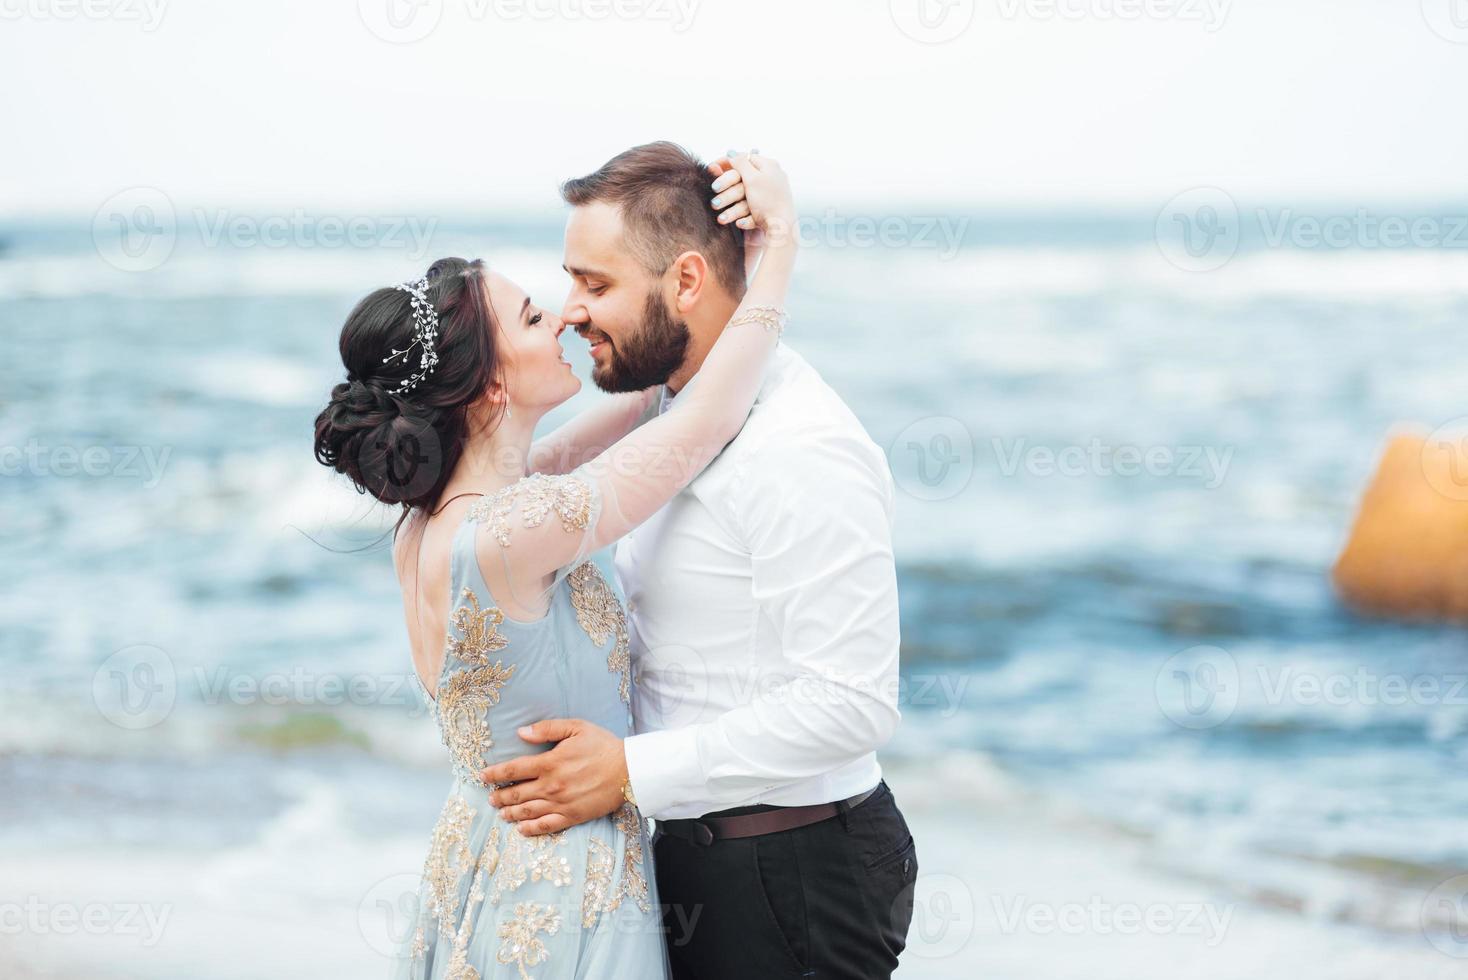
x=536 y=374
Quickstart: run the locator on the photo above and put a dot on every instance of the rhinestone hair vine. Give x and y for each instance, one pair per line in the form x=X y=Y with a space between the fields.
x=425 y=335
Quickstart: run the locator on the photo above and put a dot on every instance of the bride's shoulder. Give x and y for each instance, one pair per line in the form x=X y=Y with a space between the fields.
x=526 y=503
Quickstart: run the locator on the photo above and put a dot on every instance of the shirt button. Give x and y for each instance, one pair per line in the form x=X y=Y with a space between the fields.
x=631 y=605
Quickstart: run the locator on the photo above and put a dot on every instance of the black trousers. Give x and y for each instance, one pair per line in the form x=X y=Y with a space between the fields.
x=832 y=900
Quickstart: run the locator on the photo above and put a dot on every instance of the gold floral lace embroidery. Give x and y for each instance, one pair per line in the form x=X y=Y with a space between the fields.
x=420 y=944
x=479 y=631
x=465 y=697
x=448 y=859
x=464 y=700
x=569 y=496
x=599 y=864
x=634 y=883
x=599 y=896
x=548 y=865
x=448 y=862
x=458 y=966
x=520 y=943
x=532 y=858
x=601 y=616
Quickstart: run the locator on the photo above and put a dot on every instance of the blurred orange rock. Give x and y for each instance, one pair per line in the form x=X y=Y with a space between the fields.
x=1408 y=551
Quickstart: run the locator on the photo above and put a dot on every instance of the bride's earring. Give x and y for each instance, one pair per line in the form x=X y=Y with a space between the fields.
x=508 y=413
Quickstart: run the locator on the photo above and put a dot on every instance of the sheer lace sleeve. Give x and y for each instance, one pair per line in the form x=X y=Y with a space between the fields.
x=590 y=432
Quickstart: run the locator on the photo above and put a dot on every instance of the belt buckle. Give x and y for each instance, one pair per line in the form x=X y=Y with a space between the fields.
x=703 y=834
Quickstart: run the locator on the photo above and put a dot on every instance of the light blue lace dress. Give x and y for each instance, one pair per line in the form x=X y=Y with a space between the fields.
x=492 y=903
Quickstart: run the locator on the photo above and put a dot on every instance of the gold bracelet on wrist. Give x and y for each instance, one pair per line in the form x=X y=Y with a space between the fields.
x=771 y=318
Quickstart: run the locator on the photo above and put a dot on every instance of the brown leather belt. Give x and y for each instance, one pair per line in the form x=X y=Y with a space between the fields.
x=706 y=830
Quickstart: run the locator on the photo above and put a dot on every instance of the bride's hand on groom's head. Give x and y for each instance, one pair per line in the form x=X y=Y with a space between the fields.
x=729 y=192
x=752 y=191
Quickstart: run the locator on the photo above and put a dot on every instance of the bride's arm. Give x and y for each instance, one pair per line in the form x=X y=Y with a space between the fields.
x=589 y=433
x=623 y=486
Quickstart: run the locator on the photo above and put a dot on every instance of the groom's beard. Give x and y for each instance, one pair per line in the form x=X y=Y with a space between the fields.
x=649 y=356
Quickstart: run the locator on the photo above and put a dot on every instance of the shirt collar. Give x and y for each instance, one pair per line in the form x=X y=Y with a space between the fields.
x=666 y=397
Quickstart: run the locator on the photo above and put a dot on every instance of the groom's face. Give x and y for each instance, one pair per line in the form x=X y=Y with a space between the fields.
x=618 y=305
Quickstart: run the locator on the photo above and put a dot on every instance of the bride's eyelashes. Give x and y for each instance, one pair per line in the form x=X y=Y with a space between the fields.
x=536 y=318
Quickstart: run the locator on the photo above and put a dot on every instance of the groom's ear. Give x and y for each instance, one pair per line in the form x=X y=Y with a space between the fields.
x=691 y=270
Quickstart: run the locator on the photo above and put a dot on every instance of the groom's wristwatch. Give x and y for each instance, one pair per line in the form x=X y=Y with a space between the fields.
x=627 y=791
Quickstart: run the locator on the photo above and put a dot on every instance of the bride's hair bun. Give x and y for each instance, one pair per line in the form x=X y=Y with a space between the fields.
x=378 y=440
x=402 y=448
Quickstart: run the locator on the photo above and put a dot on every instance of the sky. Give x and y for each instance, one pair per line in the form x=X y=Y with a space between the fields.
x=288 y=103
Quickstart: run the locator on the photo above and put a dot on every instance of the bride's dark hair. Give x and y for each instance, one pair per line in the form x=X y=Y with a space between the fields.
x=402 y=448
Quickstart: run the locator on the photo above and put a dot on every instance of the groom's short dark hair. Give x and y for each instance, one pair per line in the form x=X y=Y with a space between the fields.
x=663 y=193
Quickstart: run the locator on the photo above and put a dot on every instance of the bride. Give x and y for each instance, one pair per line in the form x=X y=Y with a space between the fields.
x=509 y=622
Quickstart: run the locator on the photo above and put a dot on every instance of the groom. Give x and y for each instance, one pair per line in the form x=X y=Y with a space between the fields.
x=762 y=609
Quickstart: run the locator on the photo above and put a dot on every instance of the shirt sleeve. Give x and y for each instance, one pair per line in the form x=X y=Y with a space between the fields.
x=816 y=513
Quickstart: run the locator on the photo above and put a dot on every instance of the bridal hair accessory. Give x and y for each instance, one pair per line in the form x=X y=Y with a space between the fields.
x=425 y=335
x=771 y=318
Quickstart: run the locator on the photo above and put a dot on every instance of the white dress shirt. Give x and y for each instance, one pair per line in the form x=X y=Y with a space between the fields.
x=762 y=610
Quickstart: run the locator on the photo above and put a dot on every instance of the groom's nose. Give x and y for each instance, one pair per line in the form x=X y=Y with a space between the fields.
x=575 y=317
x=574 y=312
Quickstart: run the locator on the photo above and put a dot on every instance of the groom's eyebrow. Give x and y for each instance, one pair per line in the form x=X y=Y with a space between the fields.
x=583 y=273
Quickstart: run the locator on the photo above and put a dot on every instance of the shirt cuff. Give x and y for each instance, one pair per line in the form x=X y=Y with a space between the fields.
x=664 y=771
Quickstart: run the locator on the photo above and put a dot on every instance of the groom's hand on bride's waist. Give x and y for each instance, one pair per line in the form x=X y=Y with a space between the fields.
x=582 y=778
